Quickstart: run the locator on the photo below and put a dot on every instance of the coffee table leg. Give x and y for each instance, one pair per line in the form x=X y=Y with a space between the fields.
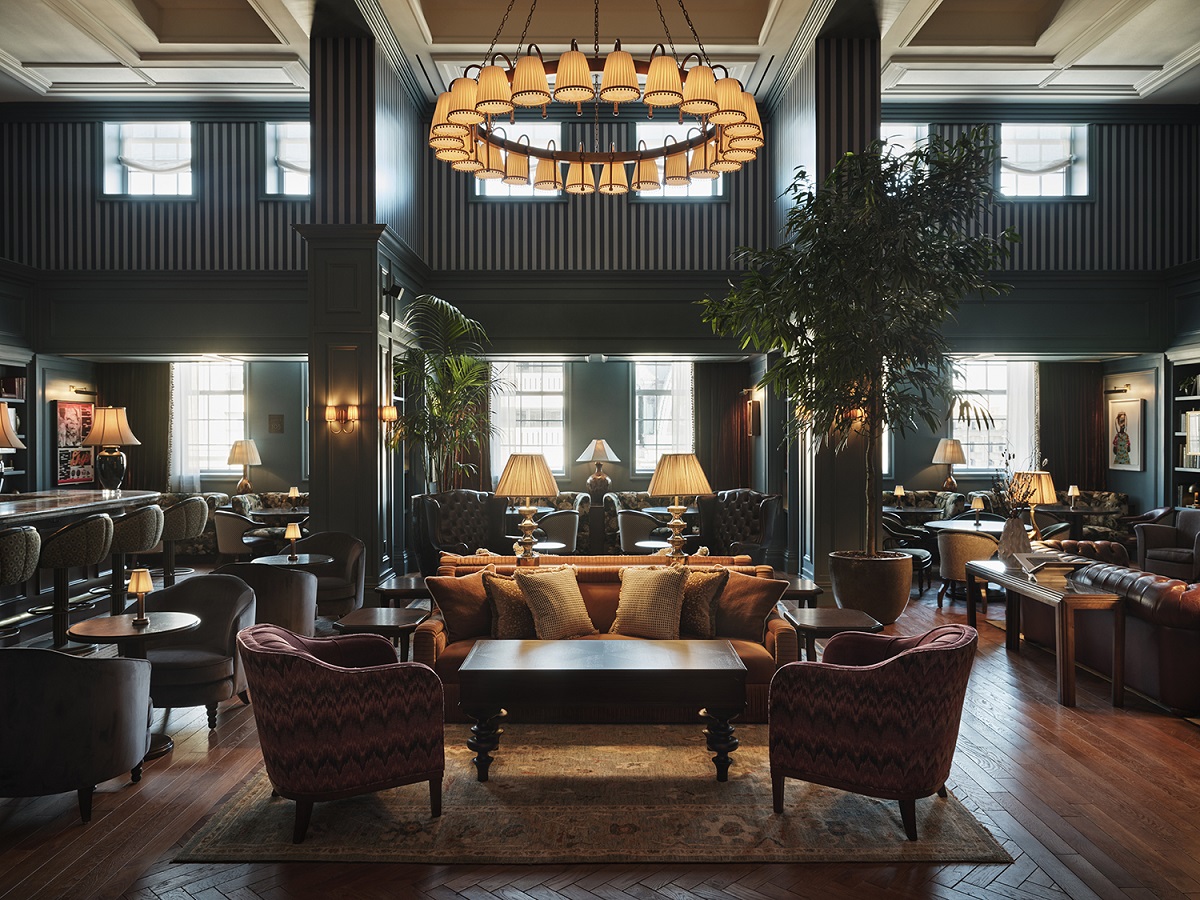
x=485 y=737
x=721 y=741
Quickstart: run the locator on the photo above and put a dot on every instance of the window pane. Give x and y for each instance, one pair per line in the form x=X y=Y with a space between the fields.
x=210 y=398
x=1043 y=160
x=529 y=413
x=656 y=134
x=663 y=412
x=1005 y=389
x=540 y=135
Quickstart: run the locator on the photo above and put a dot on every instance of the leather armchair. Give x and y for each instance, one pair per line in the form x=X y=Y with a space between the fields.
x=738 y=521
x=458 y=521
x=339 y=583
x=285 y=597
x=71 y=722
x=1169 y=550
x=339 y=716
x=878 y=716
x=201 y=667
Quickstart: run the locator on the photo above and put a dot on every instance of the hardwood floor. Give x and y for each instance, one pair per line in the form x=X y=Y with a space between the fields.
x=1090 y=802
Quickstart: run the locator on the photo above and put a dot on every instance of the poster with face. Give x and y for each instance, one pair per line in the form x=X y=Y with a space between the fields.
x=74 y=462
x=1125 y=438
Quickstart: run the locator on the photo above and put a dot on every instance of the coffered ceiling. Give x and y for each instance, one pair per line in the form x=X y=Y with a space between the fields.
x=1095 y=50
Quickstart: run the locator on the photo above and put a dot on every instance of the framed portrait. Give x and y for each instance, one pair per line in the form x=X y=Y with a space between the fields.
x=74 y=463
x=1126 y=437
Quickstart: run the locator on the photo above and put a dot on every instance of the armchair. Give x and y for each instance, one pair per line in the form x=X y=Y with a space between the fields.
x=633 y=525
x=282 y=596
x=955 y=550
x=878 y=716
x=234 y=538
x=1169 y=550
x=739 y=521
x=338 y=717
x=562 y=526
x=339 y=583
x=459 y=522
x=71 y=722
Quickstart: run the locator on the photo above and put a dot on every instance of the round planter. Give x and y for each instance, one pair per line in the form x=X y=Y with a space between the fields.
x=877 y=585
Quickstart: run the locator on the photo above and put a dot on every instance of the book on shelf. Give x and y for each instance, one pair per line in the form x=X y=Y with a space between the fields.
x=13 y=387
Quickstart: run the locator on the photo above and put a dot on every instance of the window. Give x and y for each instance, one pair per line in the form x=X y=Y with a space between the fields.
x=148 y=158
x=656 y=134
x=1006 y=389
x=288 y=163
x=540 y=134
x=662 y=404
x=529 y=413
x=1043 y=160
x=208 y=415
x=902 y=137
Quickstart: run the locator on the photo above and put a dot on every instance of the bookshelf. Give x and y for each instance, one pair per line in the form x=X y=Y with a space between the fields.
x=1185 y=433
x=13 y=391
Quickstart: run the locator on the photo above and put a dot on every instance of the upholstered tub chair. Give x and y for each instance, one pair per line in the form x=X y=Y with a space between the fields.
x=339 y=583
x=618 y=500
x=282 y=596
x=878 y=716
x=338 y=717
x=1171 y=550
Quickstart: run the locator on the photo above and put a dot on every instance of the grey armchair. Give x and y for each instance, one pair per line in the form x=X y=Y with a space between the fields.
x=633 y=525
x=71 y=722
x=339 y=583
x=285 y=597
x=1171 y=550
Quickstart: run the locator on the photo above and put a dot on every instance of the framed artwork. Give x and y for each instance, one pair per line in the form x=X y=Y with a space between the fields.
x=1126 y=437
x=74 y=463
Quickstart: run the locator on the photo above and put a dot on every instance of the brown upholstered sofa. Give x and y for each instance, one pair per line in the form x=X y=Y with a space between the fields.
x=600 y=584
x=1162 y=626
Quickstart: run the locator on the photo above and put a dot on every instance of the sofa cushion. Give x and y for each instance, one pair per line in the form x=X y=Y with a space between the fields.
x=464 y=604
x=511 y=616
x=745 y=603
x=698 y=617
x=556 y=603
x=189 y=665
x=1171 y=554
x=650 y=602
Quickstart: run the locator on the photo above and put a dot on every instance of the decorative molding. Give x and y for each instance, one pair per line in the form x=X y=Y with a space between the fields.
x=104 y=111
x=386 y=38
x=1173 y=69
x=800 y=47
x=1062 y=111
x=15 y=69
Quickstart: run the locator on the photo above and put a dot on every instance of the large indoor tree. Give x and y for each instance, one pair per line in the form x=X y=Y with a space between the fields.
x=851 y=304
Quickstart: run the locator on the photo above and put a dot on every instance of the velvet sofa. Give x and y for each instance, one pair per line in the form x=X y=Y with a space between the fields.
x=600 y=584
x=1162 y=626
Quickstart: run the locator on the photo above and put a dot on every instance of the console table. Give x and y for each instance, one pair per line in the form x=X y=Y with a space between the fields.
x=1065 y=599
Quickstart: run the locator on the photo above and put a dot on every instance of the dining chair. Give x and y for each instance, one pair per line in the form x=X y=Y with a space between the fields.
x=955 y=550
x=232 y=537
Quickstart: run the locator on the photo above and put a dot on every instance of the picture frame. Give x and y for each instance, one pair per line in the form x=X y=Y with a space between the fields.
x=73 y=462
x=1126 y=435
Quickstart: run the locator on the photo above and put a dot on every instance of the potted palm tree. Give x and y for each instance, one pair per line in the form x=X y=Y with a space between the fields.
x=446 y=385
x=851 y=307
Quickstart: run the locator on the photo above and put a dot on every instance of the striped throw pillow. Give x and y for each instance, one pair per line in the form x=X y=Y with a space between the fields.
x=555 y=601
x=650 y=601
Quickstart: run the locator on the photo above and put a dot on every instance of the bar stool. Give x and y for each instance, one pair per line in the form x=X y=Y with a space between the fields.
x=138 y=532
x=80 y=544
x=19 y=550
x=182 y=521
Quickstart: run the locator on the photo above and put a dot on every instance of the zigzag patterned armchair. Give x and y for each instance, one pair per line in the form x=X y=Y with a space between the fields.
x=338 y=717
x=877 y=716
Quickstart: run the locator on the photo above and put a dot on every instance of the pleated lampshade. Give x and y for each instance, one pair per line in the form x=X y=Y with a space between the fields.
x=724 y=162
x=443 y=132
x=646 y=177
x=547 y=176
x=676 y=170
x=751 y=126
x=664 y=87
x=516 y=168
x=462 y=111
x=493 y=97
x=526 y=475
x=573 y=81
x=701 y=164
x=729 y=103
x=493 y=161
x=453 y=154
x=699 y=92
x=580 y=179
x=613 y=179
x=529 y=84
x=678 y=475
x=619 y=84
x=474 y=162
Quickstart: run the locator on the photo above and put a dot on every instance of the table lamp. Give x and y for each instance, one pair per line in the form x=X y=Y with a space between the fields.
x=244 y=454
x=526 y=475
x=598 y=452
x=949 y=452
x=8 y=437
x=899 y=494
x=1073 y=494
x=676 y=475
x=293 y=496
x=140 y=584
x=292 y=533
x=977 y=507
x=1032 y=488
x=110 y=431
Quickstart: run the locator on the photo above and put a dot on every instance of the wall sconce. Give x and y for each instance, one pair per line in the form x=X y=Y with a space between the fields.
x=1118 y=390
x=753 y=417
x=388 y=414
x=341 y=419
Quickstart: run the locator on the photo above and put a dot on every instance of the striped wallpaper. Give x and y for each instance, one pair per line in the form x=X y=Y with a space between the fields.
x=54 y=215
x=342 y=97
x=594 y=232
x=847 y=97
x=399 y=151
x=792 y=137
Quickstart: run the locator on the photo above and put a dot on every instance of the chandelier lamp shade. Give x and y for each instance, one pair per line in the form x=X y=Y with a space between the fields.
x=725 y=132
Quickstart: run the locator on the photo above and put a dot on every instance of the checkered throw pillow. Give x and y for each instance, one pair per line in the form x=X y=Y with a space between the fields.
x=649 y=603
x=555 y=601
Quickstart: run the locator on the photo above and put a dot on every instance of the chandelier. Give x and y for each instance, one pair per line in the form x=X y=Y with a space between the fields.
x=719 y=124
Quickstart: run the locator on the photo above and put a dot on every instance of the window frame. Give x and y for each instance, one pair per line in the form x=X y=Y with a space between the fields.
x=495 y=442
x=967 y=433
x=224 y=470
x=534 y=196
x=270 y=170
x=720 y=194
x=1081 y=166
x=115 y=174
x=637 y=470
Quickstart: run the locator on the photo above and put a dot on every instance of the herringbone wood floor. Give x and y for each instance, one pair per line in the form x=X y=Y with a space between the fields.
x=1089 y=801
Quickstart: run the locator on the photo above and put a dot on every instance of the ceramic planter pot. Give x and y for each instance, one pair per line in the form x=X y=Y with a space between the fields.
x=877 y=585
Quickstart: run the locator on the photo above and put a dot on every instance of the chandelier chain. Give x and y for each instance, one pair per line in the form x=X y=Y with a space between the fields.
x=525 y=30
x=695 y=36
x=496 y=37
x=596 y=31
x=666 y=30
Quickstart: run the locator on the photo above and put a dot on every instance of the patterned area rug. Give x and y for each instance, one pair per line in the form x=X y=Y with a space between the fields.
x=593 y=794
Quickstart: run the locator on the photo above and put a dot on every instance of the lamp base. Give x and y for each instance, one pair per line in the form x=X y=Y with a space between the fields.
x=110 y=468
x=526 y=556
x=244 y=486
x=599 y=482
x=950 y=484
x=677 y=540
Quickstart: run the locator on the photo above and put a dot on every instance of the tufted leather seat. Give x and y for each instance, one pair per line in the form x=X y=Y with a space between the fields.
x=738 y=521
x=1101 y=551
x=459 y=522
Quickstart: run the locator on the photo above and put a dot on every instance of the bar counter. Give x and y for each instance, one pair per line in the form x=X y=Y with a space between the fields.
x=33 y=508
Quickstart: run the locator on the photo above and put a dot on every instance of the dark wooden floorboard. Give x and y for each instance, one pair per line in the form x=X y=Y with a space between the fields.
x=1090 y=802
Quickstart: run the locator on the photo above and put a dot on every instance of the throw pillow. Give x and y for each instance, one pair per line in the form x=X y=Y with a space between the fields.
x=555 y=601
x=511 y=618
x=698 y=617
x=650 y=601
x=464 y=604
x=744 y=605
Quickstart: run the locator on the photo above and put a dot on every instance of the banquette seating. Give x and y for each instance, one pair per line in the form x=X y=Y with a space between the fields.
x=1109 y=526
x=245 y=504
x=941 y=504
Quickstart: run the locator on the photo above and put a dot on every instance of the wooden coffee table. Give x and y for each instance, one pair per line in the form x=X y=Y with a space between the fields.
x=708 y=674
x=402 y=589
x=396 y=624
x=825 y=622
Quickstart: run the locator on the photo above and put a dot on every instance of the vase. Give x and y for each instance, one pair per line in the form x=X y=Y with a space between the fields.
x=1013 y=539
